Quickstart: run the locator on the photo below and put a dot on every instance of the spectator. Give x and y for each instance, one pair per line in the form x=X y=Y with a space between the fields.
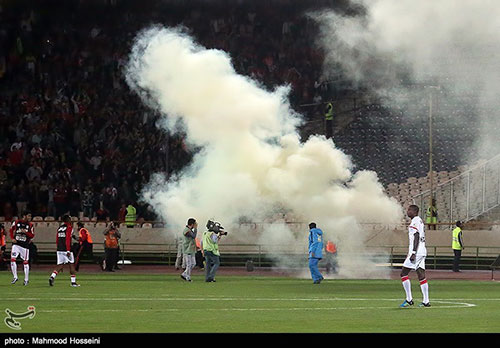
x=21 y=198
x=88 y=202
x=75 y=203
x=60 y=200
x=68 y=108
x=34 y=172
x=102 y=214
x=122 y=213
x=51 y=206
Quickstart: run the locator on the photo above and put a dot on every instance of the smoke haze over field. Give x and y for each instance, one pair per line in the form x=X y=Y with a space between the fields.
x=392 y=43
x=252 y=165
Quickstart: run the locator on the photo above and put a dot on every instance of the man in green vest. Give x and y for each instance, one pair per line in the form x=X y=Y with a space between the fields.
x=431 y=215
x=210 y=247
x=329 y=120
x=131 y=216
x=457 y=245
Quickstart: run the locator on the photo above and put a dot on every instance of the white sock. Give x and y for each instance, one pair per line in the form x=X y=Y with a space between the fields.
x=26 y=271
x=407 y=287
x=54 y=274
x=73 y=279
x=13 y=268
x=424 y=286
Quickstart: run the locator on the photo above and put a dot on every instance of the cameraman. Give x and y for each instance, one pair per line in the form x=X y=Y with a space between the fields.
x=210 y=247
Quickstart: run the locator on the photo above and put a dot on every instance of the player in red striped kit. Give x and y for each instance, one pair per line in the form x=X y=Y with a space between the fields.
x=64 y=254
x=21 y=234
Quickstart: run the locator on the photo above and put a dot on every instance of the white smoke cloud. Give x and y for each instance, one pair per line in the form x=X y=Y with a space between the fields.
x=453 y=44
x=252 y=163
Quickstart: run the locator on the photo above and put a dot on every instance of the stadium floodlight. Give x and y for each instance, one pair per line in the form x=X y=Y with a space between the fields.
x=431 y=176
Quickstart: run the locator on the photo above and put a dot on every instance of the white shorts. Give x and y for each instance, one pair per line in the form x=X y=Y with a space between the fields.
x=63 y=258
x=19 y=251
x=419 y=262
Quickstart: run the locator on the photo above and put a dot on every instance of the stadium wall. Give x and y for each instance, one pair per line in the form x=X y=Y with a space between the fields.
x=375 y=236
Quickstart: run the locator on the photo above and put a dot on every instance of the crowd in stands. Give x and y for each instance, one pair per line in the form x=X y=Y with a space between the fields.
x=74 y=138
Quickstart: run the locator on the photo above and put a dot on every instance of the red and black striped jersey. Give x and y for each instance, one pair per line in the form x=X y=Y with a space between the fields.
x=22 y=232
x=64 y=236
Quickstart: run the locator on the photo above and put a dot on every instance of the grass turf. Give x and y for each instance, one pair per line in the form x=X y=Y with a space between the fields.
x=155 y=303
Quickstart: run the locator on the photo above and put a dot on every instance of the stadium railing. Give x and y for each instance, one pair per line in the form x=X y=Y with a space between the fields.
x=441 y=257
x=467 y=196
x=438 y=257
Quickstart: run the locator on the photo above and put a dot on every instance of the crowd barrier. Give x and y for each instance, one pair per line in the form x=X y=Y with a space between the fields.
x=158 y=245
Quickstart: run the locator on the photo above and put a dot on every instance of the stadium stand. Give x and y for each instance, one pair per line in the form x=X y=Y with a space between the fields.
x=74 y=139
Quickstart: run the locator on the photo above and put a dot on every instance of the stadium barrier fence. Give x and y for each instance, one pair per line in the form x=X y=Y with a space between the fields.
x=438 y=257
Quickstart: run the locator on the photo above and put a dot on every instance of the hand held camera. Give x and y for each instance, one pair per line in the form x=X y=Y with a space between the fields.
x=215 y=227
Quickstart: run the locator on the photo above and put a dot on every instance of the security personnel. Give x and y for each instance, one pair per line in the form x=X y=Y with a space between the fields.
x=431 y=215
x=331 y=256
x=85 y=244
x=111 y=247
x=3 y=245
x=457 y=245
x=131 y=216
x=2 y=239
x=329 y=120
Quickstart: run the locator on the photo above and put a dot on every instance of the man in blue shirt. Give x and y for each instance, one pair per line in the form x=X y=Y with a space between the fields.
x=315 y=252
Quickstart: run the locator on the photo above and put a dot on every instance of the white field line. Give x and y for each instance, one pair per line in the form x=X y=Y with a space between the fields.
x=443 y=304
x=215 y=298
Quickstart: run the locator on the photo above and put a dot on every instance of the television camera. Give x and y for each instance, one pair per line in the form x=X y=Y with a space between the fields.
x=216 y=227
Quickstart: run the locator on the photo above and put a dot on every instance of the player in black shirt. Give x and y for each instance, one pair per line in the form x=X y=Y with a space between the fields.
x=64 y=254
x=21 y=234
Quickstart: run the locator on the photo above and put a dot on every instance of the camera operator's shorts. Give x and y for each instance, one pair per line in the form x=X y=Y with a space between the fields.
x=17 y=250
x=419 y=262
x=63 y=258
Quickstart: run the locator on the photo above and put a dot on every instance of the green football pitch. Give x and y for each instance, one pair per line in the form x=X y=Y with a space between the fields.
x=158 y=303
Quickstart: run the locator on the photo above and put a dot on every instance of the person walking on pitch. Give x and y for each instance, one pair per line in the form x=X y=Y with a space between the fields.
x=416 y=259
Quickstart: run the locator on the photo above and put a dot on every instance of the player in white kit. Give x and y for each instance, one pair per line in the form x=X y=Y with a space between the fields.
x=415 y=259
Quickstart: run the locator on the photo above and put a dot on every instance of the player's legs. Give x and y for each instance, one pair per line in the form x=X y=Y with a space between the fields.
x=424 y=286
x=25 y=256
x=61 y=261
x=54 y=274
x=421 y=274
x=26 y=271
x=14 y=253
x=405 y=280
x=313 y=268
x=72 y=272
